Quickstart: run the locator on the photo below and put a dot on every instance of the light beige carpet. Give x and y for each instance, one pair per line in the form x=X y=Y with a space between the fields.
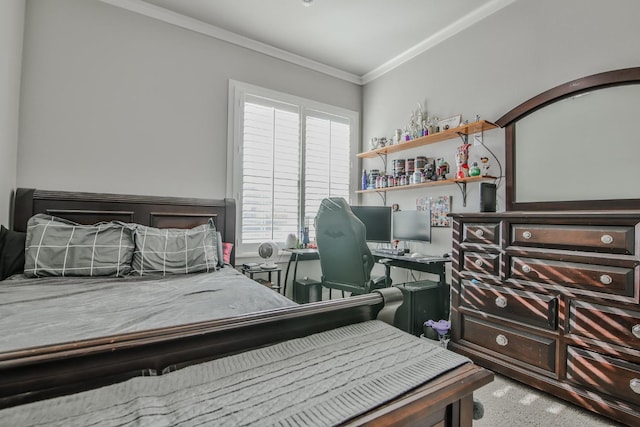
x=511 y=404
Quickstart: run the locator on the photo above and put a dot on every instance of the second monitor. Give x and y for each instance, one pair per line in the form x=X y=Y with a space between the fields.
x=376 y=220
x=412 y=226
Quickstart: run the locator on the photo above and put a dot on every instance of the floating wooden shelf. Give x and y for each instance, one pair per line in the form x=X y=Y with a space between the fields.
x=431 y=184
x=468 y=129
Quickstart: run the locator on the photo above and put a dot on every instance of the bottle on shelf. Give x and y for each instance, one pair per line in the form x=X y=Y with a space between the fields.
x=364 y=179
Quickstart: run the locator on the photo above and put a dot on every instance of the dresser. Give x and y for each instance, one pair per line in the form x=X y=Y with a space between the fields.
x=552 y=299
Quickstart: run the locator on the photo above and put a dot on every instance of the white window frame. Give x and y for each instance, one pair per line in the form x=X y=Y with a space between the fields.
x=237 y=91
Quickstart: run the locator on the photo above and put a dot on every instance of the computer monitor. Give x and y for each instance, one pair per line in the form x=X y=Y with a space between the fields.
x=377 y=221
x=412 y=226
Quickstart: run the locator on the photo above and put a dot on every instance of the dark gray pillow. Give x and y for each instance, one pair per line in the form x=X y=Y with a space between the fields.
x=11 y=252
x=59 y=247
x=175 y=251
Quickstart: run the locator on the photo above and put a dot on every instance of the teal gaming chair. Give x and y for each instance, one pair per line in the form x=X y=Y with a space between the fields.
x=345 y=258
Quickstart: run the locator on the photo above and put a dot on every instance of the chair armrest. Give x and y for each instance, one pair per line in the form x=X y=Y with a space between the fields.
x=385 y=281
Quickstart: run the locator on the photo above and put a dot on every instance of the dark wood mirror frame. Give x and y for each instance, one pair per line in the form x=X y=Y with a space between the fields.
x=625 y=76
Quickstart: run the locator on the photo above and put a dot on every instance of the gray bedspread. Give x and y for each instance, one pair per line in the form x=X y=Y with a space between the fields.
x=319 y=380
x=44 y=311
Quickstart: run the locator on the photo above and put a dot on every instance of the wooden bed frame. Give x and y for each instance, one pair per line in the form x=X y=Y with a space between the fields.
x=40 y=373
x=153 y=211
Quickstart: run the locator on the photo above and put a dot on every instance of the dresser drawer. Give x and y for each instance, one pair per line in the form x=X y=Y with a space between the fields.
x=525 y=347
x=488 y=233
x=527 y=307
x=615 y=377
x=619 y=240
x=610 y=324
x=482 y=263
x=607 y=279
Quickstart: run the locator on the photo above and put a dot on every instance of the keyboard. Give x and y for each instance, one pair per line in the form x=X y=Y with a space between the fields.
x=388 y=251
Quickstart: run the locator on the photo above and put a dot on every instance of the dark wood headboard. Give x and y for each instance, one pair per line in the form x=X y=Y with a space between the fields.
x=153 y=211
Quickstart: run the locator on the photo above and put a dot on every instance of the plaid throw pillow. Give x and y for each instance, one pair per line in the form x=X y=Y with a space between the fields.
x=175 y=251
x=59 y=247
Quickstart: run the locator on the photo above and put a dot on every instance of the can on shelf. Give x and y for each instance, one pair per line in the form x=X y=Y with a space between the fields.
x=421 y=162
x=410 y=166
x=398 y=167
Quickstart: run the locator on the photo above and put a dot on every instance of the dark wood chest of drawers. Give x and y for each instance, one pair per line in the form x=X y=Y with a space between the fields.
x=552 y=299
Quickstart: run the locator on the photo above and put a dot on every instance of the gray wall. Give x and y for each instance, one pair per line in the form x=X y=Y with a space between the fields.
x=117 y=102
x=113 y=101
x=493 y=66
x=11 y=29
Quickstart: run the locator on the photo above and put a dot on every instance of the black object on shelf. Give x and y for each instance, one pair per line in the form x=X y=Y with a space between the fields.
x=487 y=197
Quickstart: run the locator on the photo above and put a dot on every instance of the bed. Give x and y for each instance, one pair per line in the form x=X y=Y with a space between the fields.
x=67 y=360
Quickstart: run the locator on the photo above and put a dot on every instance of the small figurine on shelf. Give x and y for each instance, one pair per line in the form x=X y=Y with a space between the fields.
x=442 y=168
x=430 y=172
x=398 y=136
x=474 y=170
x=411 y=127
x=462 y=156
x=485 y=166
x=419 y=122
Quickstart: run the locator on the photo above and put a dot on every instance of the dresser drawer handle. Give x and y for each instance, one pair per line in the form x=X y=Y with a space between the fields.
x=527 y=235
x=501 y=302
x=503 y=341
x=526 y=268
x=636 y=331
x=634 y=385
x=479 y=233
x=478 y=262
x=605 y=279
x=606 y=239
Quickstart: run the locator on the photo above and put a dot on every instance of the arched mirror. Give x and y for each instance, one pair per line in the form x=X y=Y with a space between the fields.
x=576 y=146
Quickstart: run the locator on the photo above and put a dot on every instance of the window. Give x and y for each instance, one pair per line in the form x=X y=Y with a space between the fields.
x=288 y=153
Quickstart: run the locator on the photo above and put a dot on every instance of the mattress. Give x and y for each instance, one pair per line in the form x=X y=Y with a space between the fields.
x=45 y=311
x=319 y=380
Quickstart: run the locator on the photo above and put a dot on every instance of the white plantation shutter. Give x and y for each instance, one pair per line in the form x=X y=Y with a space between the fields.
x=287 y=156
x=271 y=169
x=327 y=162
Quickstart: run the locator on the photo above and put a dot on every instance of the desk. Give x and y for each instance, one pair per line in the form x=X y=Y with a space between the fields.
x=296 y=256
x=425 y=299
x=427 y=264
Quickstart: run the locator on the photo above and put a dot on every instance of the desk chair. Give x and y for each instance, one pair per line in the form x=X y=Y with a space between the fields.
x=345 y=258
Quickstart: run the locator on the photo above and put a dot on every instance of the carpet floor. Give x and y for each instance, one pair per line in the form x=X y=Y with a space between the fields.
x=511 y=404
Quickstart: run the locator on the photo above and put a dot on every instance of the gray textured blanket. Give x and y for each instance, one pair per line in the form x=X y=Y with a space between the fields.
x=43 y=311
x=323 y=379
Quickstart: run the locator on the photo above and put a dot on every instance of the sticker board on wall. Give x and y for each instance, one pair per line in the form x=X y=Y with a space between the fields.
x=439 y=206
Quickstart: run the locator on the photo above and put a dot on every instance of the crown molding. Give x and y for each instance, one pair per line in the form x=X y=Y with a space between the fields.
x=152 y=11
x=449 y=31
x=170 y=17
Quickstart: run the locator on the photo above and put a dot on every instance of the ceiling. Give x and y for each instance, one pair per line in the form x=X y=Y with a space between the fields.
x=357 y=40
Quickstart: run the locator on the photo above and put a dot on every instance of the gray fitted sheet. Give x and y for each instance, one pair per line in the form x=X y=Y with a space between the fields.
x=45 y=311
x=319 y=380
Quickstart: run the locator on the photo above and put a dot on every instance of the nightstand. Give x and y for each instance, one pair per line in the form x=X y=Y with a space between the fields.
x=250 y=272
